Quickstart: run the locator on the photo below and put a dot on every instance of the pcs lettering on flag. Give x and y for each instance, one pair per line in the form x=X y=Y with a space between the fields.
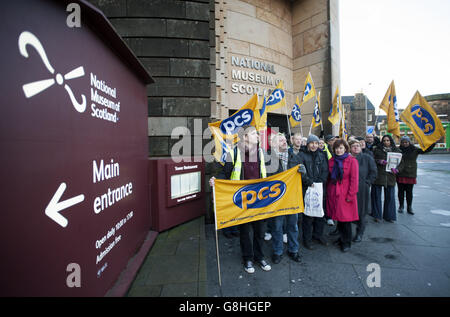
x=259 y=195
x=238 y=202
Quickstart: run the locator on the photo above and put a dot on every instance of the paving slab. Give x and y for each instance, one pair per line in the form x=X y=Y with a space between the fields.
x=402 y=282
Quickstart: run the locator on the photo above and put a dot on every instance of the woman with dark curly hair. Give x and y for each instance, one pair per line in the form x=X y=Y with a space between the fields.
x=384 y=180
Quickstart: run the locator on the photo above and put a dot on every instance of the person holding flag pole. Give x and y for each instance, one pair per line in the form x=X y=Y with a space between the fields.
x=427 y=129
x=247 y=161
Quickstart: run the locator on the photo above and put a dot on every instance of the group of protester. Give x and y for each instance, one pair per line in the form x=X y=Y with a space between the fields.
x=351 y=175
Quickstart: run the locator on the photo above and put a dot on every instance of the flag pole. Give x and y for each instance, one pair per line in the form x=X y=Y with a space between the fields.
x=310 y=127
x=289 y=125
x=321 y=117
x=217 y=239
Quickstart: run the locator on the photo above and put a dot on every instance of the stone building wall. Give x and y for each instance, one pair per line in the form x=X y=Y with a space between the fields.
x=172 y=39
x=293 y=36
x=188 y=46
x=259 y=31
x=312 y=22
x=441 y=104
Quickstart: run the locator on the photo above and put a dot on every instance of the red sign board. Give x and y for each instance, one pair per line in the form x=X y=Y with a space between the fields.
x=73 y=134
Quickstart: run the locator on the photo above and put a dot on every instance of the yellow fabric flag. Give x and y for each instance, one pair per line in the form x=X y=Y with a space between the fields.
x=423 y=121
x=389 y=105
x=225 y=131
x=317 y=117
x=261 y=114
x=222 y=145
x=238 y=202
x=296 y=114
x=333 y=117
x=277 y=98
x=308 y=91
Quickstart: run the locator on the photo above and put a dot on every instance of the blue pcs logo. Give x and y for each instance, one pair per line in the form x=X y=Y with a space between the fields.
x=296 y=113
x=232 y=124
x=259 y=195
x=423 y=119
x=275 y=97
x=307 y=89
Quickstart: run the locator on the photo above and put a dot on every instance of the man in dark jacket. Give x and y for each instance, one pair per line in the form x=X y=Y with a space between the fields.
x=367 y=174
x=316 y=164
x=279 y=147
x=248 y=161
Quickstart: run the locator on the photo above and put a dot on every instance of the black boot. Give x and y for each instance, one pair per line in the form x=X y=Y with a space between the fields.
x=400 y=208
x=409 y=210
x=357 y=238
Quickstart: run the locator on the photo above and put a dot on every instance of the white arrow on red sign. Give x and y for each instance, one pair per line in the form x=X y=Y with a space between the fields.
x=55 y=206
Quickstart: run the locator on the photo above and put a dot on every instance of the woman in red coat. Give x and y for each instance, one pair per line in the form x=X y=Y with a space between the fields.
x=342 y=189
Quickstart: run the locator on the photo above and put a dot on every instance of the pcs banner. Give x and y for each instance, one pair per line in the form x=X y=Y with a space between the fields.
x=238 y=202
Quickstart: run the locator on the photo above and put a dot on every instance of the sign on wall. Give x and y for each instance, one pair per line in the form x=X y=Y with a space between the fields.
x=73 y=135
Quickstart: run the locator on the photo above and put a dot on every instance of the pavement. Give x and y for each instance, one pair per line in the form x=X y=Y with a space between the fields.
x=410 y=257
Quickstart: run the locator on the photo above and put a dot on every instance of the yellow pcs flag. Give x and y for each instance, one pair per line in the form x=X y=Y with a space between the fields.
x=239 y=202
x=333 y=117
x=317 y=117
x=277 y=98
x=343 y=133
x=261 y=115
x=296 y=114
x=225 y=131
x=222 y=144
x=423 y=121
x=389 y=105
x=308 y=91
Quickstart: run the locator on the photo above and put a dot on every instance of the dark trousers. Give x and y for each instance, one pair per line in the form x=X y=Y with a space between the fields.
x=388 y=210
x=252 y=239
x=312 y=227
x=361 y=223
x=408 y=189
x=345 y=230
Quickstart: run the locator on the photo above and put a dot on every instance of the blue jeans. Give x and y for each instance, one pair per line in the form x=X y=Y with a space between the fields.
x=292 y=233
x=387 y=210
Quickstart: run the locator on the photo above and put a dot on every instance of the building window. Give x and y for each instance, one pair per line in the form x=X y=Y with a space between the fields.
x=184 y=184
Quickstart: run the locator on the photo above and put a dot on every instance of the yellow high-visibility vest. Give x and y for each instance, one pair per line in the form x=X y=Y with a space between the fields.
x=236 y=173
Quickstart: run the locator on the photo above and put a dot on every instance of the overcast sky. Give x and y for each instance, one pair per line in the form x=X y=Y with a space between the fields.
x=407 y=41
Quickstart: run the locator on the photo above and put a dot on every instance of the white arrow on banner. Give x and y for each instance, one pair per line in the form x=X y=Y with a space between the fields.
x=55 y=206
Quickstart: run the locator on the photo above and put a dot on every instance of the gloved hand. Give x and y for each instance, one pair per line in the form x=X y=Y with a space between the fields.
x=382 y=162
x=394 y=170
x=302 y=169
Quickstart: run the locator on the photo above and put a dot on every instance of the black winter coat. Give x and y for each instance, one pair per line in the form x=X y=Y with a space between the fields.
x=383 y=178
x=316 y=164
x=408 y=164
x=367 y=175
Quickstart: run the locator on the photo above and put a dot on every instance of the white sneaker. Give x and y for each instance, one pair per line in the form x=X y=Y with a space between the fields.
x=248 y=267
x=330 y=222
x=264 y=265
x=267 y=236
x=285 y=238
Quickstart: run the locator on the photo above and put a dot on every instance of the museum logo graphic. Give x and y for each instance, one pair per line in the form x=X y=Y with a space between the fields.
x=31 y=89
